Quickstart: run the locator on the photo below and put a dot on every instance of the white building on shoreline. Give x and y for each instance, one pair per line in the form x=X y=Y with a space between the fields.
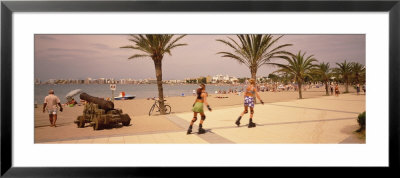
x=224 y=79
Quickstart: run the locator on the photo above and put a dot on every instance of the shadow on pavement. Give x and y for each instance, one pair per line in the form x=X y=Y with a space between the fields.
x=58 y=125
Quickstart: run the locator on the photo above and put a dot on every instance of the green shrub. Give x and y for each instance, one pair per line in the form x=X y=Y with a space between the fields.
x=361 y=121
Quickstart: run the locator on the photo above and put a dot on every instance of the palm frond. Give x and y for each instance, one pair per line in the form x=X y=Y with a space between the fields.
x=172 y=44
x=154 y=45
x=235 y=57
x=254 y=50
x=138 y=56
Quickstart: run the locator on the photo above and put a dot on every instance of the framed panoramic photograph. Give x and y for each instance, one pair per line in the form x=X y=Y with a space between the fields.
x=113 y=88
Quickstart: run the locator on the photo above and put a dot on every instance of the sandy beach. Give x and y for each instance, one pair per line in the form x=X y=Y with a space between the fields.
x=141 y=123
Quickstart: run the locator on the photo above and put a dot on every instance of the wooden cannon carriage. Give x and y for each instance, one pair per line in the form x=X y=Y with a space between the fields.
x=100 y=114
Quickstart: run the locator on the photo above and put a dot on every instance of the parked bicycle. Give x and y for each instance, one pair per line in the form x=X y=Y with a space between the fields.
x=156 y=105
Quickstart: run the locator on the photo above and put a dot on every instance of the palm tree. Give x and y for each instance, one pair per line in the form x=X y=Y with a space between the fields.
x=154 y=47
x=274 y=79
x=254 y=50
x=286 y=78
x=324 y=73
x=358 y=71
x=299 y=66
x=344 y=70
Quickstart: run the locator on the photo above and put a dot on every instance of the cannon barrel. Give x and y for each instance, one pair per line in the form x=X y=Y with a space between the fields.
x=103 y=104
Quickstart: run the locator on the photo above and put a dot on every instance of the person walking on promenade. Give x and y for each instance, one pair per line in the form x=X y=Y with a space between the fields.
x=249 y=95
x=50 y=104
x=198 y=105
x=331 y=89
x=337 y=90
x=358 y=88
x=364 y=88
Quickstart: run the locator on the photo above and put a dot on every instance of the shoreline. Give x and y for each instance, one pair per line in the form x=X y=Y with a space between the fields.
x=184 y=103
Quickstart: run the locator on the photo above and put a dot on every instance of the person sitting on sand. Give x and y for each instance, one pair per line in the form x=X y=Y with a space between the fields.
x=198 y=105
x=249 y=95
x=71 y=103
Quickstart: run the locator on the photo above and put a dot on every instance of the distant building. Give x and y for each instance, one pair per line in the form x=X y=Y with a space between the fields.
x=233 y=80
x=123 y=81
x=152 y=81
x=110 y=81
x=217 y=78
x=208 y=79
x=130 y=81
x=225 y=78
x=101 y=81
x=52 y=81
x=173 y=81
x=222 y=79
x=37 y=81
x=88 y=80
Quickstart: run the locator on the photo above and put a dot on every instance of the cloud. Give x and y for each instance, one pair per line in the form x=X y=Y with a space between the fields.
x=71 y=50
x=101 y=55
x=101 y=46
x=44 y=37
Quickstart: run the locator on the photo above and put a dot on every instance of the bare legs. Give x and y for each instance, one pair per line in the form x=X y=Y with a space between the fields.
x=244 y=112
x=241 y=115
x=53 y=119
x=203 y=117
x=194 y=118
x=251 y=124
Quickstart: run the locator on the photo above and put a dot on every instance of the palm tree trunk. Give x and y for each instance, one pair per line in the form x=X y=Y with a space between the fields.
x=158 y=66
x=300 y=94
x=253 y=72
x=357 y=78
x=254 y=76
x=326 y=88
x=347 y=86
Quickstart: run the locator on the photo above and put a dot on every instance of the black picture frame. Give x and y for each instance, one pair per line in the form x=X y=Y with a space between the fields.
x=8 y=7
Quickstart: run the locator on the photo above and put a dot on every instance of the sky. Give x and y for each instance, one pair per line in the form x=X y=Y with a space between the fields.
x=100 y=56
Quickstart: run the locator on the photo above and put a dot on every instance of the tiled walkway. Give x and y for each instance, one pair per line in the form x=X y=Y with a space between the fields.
x=320 y=120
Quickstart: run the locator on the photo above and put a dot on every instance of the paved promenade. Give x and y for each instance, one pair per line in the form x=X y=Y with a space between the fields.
x=326 y=120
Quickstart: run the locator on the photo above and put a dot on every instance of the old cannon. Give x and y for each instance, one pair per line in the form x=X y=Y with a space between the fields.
x=100 y=113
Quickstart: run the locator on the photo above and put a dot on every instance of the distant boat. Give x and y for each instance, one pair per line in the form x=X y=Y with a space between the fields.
x=123 y=96
x=127 y=97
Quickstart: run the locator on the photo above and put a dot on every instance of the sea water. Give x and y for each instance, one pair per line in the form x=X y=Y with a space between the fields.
x=140 y=90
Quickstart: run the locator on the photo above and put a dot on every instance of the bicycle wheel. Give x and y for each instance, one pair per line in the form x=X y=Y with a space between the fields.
x=151 y=110
x=167 y=109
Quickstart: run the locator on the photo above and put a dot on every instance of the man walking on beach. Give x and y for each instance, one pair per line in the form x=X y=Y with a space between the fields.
x=50 y=104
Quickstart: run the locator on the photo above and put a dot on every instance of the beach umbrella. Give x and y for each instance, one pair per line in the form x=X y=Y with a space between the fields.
x=73 y=93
